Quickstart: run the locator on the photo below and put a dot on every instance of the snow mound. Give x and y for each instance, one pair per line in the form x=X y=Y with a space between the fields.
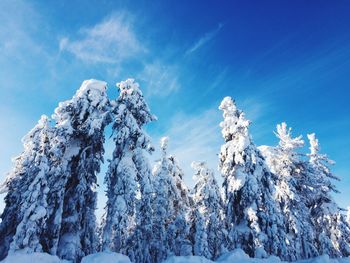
x=21 y=257
x=187 y=259
x=238 y=256
x=106 y=257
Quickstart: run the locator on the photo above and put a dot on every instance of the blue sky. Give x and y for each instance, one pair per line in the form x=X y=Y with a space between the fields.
x=281 y=61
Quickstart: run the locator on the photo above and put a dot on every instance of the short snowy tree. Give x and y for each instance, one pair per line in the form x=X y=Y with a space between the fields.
x=330 y=224
x=249 y=206
x=128 y=225
x=171 y=208
x=26 y=200
x=287 y=165
x=178 y=230
x=80 y=124
x=161 y=205
x=208 y=237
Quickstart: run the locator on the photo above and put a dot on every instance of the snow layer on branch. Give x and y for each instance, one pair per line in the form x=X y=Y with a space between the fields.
x=91 y=94
x=286 y=140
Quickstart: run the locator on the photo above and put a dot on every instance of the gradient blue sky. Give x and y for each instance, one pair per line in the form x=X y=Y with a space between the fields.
x=281 y=61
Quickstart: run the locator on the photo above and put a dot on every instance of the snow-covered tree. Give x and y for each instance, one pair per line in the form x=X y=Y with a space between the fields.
x=171 y=208
x=348 y=216
x=127 y=226
x=287 y=165
x=178 y=234
x=330 y=224
x=33 y=208
x=26 y=200
x=208 y=237
x=79 y=139
x=249 y=207
x=161 y=205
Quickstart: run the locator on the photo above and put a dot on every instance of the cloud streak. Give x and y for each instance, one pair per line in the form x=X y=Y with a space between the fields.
x=205 y=39
x=110 y=41
x=195 y=138
x=160 y=78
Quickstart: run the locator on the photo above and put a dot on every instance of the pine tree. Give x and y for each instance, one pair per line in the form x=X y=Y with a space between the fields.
x=207 y=213
x=129 y=189
x=330 y=224
x=26 y=187
x=250 y=210
x=80 y=124
x=287 y=164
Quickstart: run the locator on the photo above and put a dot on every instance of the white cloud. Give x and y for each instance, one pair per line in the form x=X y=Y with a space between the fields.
x=205 y=39
x=161 y=78
x=110 y=41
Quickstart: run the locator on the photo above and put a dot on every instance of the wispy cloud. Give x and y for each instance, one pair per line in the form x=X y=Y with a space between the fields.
x=18 y=24
x=195 y=138
x=110 y=41
x=161 y=78
x=205 y=39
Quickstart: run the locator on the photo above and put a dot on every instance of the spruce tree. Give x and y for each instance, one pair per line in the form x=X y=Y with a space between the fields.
x=287 y=165
x=330 y=224
x=208 y=237
x=171 y=208
x=80 y=124
x=26 y=199
x=129 y=189
x=178 y=233
x=162 y=205
x=33 y=208
x=252 y=221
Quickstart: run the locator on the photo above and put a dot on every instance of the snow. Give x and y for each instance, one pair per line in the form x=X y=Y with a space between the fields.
x=236 y=256
x=189 y=259
x=106 y=257
x=20 y=257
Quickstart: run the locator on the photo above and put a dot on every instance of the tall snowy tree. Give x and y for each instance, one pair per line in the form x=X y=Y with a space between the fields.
x=33 y=208
x=79 y=139
x=26 y=200
x=250 y=209
x=286 y=163
x=208 y=237
x=129 y=190
x=330 y=224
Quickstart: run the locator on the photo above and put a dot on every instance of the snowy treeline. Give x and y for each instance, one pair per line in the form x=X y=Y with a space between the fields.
x=273 y=200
